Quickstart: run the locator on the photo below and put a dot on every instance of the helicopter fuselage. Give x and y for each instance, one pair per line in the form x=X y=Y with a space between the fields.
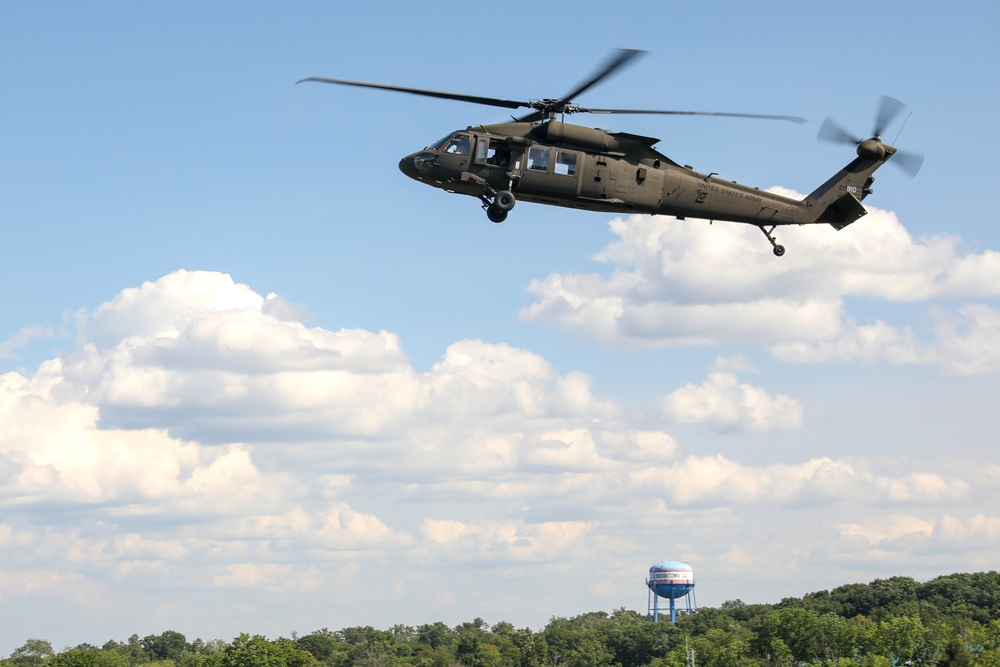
x=554 y=163
x=559 y=164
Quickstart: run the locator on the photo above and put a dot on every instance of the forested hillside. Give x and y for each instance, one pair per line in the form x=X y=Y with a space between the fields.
x=950 y=621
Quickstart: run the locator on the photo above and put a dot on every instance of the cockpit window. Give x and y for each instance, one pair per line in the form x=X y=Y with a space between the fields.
x=439 y=143
x=459 y=145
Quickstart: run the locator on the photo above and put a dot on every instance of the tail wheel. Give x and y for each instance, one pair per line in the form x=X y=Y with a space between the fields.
x=504 y=200
x=779 y=250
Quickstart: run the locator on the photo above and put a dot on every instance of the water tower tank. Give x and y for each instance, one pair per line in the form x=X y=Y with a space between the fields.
x=672 y=580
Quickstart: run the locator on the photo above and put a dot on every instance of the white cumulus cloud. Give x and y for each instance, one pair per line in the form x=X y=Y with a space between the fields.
x=723 y=400
x=200 y=436
x=676 y=283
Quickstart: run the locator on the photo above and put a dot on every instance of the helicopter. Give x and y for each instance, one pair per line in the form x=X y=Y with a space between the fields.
x=542 y=159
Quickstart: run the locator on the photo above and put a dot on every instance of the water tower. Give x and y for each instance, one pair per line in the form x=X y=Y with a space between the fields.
x=672 y=580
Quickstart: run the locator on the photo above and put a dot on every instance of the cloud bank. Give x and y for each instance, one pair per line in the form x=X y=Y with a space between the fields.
x=200 y=436
x=676 y=283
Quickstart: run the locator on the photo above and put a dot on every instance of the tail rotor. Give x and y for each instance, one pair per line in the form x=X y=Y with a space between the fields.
x=889 y=108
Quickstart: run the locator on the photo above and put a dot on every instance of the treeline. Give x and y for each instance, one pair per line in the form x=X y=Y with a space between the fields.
x=951 y=621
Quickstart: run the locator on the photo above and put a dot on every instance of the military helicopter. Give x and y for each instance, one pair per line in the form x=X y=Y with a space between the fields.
x=542 y=159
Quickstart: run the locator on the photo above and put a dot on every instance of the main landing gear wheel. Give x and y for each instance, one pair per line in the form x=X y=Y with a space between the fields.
x=495 y=214
x=504 y=200
x=497 y=209
x=779 y=250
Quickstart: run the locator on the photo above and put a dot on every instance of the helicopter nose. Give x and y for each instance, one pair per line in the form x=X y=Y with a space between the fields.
x=419 y=164
x=407 y=167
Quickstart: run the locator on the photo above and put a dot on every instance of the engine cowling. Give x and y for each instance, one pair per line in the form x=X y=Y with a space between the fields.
x=584 y=137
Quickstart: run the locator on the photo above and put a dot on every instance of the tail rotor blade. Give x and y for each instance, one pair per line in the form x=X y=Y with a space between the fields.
x=832 y=131
x=888 y=109
x=908 y=162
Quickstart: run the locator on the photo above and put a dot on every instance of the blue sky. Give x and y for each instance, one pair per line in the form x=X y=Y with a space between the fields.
x=255 y=379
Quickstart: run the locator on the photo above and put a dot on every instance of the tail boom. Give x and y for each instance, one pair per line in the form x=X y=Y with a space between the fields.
x=838 y=201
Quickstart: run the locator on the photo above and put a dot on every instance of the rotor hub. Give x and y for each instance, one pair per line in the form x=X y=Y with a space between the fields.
x=871 y=149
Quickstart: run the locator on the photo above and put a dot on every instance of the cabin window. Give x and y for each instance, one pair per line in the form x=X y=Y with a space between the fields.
x=493 y=151
x=566 y=163
x=459 y=145
x=538 y=158
x=484 y=150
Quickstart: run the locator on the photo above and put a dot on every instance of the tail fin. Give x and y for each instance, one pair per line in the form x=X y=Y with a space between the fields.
x=838 y=201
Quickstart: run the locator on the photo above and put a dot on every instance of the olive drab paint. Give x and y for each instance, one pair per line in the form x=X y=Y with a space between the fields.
x=541 y=159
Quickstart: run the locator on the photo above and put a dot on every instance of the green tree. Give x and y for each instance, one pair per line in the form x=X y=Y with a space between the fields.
x=435 y=635
x=902 y=638
x=742 y=612
x=796 y=628
x=876 y=661
x=475 y=652
x=531 y=647
x=723 y=648
x=835 y=639
x=33 y=653
x=894 y=596
x=166 y=646
x=322 y=645
x=133 y=651
x=247 y=651
x=635 y=641
x=823 y=602
x=970 y=596
x=576 y=642
x=477 y=645
x=956 y=654
x=368 y=647
x=88 y=657
x=854 y=599
x=257 y=651
x=292 y=656
x=774 y=652
x=879 y=600
x=937 y=635
x=503 y=636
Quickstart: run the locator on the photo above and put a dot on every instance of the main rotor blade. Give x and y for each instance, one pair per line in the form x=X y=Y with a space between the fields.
x=794 y=119
x=489 y=101
x=544 y=108
x=832 y=131
x=888 y=108
x=618 y=59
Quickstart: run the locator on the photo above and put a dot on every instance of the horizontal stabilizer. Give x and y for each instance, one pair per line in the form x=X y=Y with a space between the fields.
x=844 y=211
